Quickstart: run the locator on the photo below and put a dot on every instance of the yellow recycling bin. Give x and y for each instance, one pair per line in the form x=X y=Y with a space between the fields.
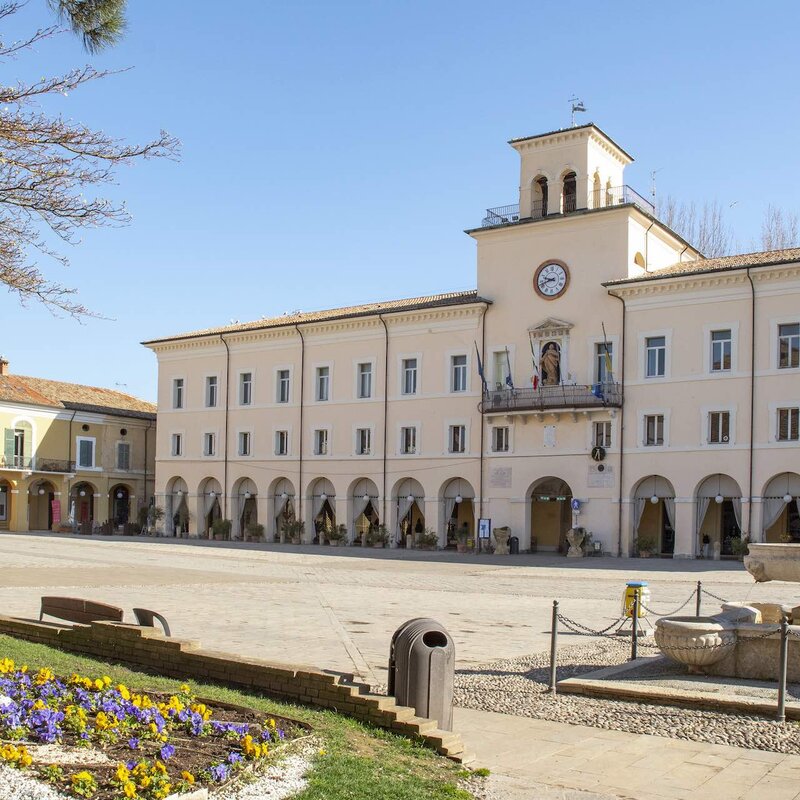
x=631 y=588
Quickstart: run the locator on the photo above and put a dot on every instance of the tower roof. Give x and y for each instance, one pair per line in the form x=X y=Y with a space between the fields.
x=561 y=131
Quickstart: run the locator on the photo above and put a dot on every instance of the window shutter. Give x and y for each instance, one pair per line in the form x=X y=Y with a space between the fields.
x=783 y=424
x=27 y=444
x=8 y=445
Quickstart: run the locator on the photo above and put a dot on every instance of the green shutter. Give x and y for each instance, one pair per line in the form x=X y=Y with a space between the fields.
x=27 y=443
x=8 y=445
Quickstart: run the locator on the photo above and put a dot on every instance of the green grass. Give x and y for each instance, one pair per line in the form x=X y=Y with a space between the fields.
x=358 y=762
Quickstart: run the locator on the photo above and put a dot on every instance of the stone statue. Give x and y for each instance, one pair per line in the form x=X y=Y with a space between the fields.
x=550 y=361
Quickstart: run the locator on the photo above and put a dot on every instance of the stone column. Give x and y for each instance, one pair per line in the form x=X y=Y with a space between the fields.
x=684 y=528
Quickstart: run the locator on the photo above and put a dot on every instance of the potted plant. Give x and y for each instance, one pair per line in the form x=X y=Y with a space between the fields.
x=221 y=529
x=427 y=540
x=645 y=545
x=377 y=536
x=255 y=532
x=293 y=530
x=153 y=517
x=337 y=536
x=739 y=546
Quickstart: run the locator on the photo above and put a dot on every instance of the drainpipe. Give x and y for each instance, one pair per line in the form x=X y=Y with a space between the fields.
x=647 y=247
x=483 y=359
x=385 y=409
x=752 y=399
x=147 y=430
x=621 y=425
x=302 y=393
x=225 y=445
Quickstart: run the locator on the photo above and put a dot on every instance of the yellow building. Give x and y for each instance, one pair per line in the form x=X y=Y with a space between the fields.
x=72 y=454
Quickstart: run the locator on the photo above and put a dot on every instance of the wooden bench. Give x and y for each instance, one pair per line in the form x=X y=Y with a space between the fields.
x=73 y=609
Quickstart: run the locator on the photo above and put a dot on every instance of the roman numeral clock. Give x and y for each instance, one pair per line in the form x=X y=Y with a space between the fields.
x=551 y=279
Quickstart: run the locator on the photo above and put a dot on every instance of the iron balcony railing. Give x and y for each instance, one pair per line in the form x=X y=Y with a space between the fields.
x=29 y=464
x=567 y=204
x=548 y=398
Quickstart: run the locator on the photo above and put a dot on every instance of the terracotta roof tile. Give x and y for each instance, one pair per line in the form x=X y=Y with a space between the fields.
x=763 y=258
x=387 y=306
x=58 y=394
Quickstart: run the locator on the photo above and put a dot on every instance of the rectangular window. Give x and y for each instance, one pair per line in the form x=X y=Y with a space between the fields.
x=123 y=456
x=245 y=388
x=409 y=376
x=211 y=391
x=321 y=442
x=721 y=345
x=86 y=453
x=209 y=444
x=363 y=441
x=408 y=440
x=602 y=434
x=458 y=374
x=719 y=427
x=365 y=380
x=323 y=383
x=654 y=430
x=177 y=393
x=244 y=443
x=283 y=386
x=457 y=438
x=500 y=439
x=603 y=352
x=656 y=355
x=281 y=443
x=789 y=345
x=177 y=444
x=788 y=424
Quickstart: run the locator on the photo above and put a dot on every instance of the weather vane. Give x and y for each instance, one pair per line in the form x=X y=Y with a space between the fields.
x=577 y=107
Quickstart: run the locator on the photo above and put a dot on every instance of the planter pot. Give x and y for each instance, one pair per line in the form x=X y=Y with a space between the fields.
x=295 y=540
x=335 y=542
x=461 y=547
x=644 y=554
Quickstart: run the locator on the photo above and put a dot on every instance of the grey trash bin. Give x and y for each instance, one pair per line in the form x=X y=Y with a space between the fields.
x=513 y=545
x=421 y=670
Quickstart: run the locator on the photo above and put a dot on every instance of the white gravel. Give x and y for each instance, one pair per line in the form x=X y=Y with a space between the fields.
x=519 y=687
x=17 y=784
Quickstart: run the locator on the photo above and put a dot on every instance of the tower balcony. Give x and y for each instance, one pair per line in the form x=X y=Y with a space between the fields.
x=568 y=204
x=563 y=397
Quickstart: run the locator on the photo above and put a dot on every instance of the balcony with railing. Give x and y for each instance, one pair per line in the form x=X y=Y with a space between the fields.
x=569 y=204
x=564 y=397
x=36 y=464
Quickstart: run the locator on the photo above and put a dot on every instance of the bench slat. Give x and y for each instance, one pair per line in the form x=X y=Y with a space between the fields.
x=74 y=609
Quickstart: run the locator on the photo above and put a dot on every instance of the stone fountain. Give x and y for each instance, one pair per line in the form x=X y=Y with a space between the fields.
x=742 y=640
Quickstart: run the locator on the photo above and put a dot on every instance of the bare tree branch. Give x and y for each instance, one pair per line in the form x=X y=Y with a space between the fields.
x=706 y=230
x=47 y=163
x=779 y=230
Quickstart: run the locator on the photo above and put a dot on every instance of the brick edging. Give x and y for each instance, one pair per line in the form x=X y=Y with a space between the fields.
x=183 y=658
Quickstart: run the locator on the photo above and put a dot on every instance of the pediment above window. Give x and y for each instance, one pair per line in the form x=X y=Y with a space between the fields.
x=549 y=328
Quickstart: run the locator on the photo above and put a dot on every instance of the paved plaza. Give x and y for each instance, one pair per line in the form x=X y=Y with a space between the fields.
x=337 y=609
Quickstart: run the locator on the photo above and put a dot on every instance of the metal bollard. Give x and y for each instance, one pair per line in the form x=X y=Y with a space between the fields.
x=699 y=596
x=635 y=627
x=553 y=646
x=784 y=660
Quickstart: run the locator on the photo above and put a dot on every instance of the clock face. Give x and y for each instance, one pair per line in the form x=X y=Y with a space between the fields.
x=551 y=279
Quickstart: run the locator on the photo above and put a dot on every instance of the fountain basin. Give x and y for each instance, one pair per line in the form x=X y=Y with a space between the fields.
x=773 y=561
x=695 y=641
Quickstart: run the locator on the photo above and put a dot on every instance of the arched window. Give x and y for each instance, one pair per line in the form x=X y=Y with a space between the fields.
x=597 y=194
x=638 y=259
x=569 y=193
x=539 y=198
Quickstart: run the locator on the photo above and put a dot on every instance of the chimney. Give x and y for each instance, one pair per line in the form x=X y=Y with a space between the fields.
x=3 y=366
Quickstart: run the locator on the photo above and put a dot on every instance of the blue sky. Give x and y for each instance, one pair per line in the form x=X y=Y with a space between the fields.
x=333 y=153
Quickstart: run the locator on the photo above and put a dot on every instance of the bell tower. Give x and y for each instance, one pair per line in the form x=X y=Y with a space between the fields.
x=569 y=170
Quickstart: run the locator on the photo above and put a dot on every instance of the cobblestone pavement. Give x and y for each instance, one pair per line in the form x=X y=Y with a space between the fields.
x=338 y=608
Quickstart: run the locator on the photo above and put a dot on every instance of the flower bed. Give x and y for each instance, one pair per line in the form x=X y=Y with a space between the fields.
x=92 y=739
